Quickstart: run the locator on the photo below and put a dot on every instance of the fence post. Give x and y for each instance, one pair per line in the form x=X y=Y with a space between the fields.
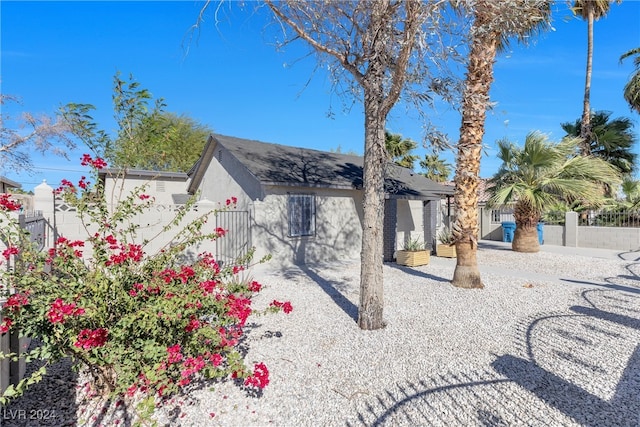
x=571 y=229
x=4 y=348
x=43 y=201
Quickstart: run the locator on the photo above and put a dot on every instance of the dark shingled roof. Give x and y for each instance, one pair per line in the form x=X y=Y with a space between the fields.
x=274 y=164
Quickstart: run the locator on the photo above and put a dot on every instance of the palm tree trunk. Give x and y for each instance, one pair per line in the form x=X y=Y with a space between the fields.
x=474 y=105
x=585 y=129
x=525 y=238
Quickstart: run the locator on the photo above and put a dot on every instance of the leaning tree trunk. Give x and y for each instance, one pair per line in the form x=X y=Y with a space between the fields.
x=525 y=239
x=585 y=127
x=474 y=106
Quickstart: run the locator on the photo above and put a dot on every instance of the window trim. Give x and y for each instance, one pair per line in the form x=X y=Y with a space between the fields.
x=311 y=231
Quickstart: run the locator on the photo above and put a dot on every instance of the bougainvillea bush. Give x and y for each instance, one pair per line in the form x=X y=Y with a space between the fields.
x=140 y=323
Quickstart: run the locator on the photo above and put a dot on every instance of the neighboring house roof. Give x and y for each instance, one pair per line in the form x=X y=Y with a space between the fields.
x=274 y=164
x=7 y=183
x=483 y=190
x=141 y=173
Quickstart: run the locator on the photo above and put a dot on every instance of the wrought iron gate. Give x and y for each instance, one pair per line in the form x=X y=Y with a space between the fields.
x=236 y=242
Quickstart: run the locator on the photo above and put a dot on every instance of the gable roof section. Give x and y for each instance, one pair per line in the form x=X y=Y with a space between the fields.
x=274 y=164
x=8 y=183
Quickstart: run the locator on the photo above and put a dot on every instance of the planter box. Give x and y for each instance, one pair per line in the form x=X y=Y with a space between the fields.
x=446 y=251
x=412 y=258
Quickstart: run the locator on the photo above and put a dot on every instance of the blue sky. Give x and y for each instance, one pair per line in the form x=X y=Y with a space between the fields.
x=231 y=78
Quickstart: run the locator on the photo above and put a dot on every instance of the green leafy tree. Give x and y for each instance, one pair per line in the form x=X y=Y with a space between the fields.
x=612 y=140
x=539 y=174
x=399 y=149
x=172 y=143
x=147 y=138
x=590 y=11
x=435 y=168
x=632 y=88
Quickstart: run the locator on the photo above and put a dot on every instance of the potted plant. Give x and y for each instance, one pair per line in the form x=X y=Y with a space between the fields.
x=445 y=246
x=413 y=254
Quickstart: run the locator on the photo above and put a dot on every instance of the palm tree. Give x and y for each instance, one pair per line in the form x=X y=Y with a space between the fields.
x=632 y=88
x=494 y=22
x=590 y=11
x=435 y=168
x=612 y=141
x=541 y=173
x=631 y=191
x=399 y=149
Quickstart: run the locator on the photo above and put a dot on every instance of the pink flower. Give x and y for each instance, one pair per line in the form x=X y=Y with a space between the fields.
x=5 y=325
x=220 y=231
x=238 y=307
x=59 y=311
x=192 y=325
x=97 y=163
x=185 y=273
x=88 y=338
x=208 y=286
x=129 y=252
x=144 y=196
x=260 y=377
x=216 y=359
x=175 y=355
x=132 y=390
x=11 y=250
x=15 y=301
x=7 y=204
x=285 y=306
x=65 y=184
x=255 y=286
x=83 y=183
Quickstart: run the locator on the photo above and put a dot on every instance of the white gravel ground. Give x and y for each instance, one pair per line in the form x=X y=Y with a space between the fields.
x=551 y=340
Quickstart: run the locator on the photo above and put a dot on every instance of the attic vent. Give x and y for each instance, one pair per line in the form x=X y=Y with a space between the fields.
x=219 y=155
x=160 y=186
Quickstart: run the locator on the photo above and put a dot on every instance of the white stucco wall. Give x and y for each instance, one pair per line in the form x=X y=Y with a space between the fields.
x=218 y=185
x=338 y=227
x=159 y=188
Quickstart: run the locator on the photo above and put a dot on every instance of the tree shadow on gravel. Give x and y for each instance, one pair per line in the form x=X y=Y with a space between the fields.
x=417 y=273
x=333 y=288
x=578 y=366
x=618 y=282
x=488 y=244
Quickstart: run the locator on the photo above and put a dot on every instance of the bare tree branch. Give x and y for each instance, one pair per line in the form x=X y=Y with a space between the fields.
x=26 y=133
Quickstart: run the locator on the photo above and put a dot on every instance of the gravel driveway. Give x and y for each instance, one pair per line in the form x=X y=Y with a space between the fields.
x=551 y=340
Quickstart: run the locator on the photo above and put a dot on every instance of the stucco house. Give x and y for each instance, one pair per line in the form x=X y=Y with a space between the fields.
x=302 y=205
